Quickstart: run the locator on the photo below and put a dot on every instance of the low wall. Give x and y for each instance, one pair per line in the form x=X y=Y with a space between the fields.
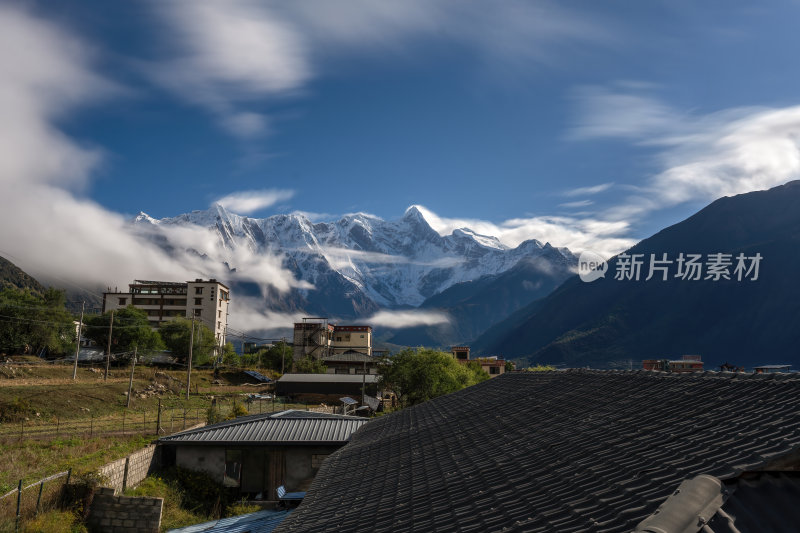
x=121 y=514
x=130 y=471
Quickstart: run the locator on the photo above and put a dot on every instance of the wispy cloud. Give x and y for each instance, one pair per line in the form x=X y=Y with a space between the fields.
x=577 y=234
x=49 y=74
x=701 y=157
x=579 y=203
x=407 y=319
x=246 y=202
x=587 y=191
x=234 y=57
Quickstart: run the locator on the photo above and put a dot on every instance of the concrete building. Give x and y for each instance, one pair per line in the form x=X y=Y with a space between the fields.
x=317 y=338
x=205 y=300
x=494 y=366
x=256 y=454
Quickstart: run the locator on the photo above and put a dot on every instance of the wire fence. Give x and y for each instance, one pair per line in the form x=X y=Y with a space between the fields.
x=26 y=502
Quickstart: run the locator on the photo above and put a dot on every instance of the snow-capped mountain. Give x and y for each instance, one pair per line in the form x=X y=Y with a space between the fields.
x=361 y=263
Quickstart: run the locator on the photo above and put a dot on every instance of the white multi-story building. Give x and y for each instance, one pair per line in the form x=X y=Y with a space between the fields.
x=206 y=301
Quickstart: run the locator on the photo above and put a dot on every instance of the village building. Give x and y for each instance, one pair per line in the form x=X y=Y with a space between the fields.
x=317 y=338
x=256 y=454
x=494 y=366
x=206 y=301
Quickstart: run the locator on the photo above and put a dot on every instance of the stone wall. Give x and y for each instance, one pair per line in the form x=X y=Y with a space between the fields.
x=121 y=514
x=129 y=471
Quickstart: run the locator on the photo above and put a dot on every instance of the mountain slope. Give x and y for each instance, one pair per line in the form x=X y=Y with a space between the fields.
x=474 y=306
x=11 y=276
x=609 y=322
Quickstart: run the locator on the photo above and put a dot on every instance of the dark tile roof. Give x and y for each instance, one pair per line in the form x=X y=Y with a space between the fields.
x=551 y=451
x=284 y=427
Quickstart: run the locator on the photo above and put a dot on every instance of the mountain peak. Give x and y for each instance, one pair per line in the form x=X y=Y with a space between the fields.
x=143 y=217
x=414 y=213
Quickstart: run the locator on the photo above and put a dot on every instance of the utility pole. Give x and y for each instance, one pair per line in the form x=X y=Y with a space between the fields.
x=283 y=355
x=108 y=355
x=78 y=347
x=130 y=383
x=189 y=366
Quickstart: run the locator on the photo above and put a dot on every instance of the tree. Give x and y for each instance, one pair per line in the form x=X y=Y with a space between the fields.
x=273 y=358
x=309 y=365
x=131 y=330
x=177 y=333
x=420 y=374
x=32 y=323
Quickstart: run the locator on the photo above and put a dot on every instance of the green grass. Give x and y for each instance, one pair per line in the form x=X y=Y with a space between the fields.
x=34 y=460
x=54 y=522
x=173 y=514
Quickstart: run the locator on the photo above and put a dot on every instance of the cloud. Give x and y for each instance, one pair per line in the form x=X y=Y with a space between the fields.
x=342 y=258
x=48 y=75
x=602 y=236
x=701 y=157
x=234 y=57
x=579 y=203
x=407 y=319
x=246 y=202
x=588 y=191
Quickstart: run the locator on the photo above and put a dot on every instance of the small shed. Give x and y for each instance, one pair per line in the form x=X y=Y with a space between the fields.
x=258 y=453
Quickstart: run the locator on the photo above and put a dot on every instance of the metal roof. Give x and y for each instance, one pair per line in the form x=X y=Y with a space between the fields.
x=258 y=522
x=350 y=356
x=327 y=378
x=257 y=375
x=285 y=427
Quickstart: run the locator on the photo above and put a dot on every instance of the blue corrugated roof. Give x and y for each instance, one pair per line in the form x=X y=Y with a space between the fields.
x=259 y=522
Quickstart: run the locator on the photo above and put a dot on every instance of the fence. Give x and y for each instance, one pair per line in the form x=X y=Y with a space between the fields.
x=167 y=420
x=25 y=502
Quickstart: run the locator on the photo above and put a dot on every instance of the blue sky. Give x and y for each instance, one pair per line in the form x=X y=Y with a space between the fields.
x=586 y=124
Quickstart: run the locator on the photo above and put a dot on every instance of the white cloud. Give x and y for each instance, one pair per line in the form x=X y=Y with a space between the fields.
x=578 y=234
x=47 y=74
x=701 y=157
x=579 y=203
x=587 y=191
x=407 y=319
x=246 y=202
x=228 y=56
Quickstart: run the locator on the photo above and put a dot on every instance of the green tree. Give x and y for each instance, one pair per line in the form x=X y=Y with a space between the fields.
x=131 y=330
x=273 y=357
x=510 y=367
x=177 y=333
x=229 y=355
x=420 y=374
x=32 y=323
x=309 y=365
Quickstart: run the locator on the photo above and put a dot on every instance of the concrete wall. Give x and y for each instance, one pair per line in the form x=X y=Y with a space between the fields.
x=263 y=467
x=121 y=514
x=208 y=459
x=131 y=470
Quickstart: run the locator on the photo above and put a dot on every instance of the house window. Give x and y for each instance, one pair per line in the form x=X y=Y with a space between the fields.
x=198 y=290
x=362 y=336
x=219 y=314
x=233 y=468
x=198 y=301
x=198 y=312
x=123 y=301
x=494 y=370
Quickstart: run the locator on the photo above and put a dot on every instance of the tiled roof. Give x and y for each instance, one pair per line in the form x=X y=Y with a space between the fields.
x=551 y=451
x=285 y=427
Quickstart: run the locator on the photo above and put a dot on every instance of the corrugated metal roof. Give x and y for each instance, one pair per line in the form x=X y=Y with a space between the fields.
x=285 y=427
x=350 y=356
x=258 y=522
x=327 y=378
x=257 y=375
